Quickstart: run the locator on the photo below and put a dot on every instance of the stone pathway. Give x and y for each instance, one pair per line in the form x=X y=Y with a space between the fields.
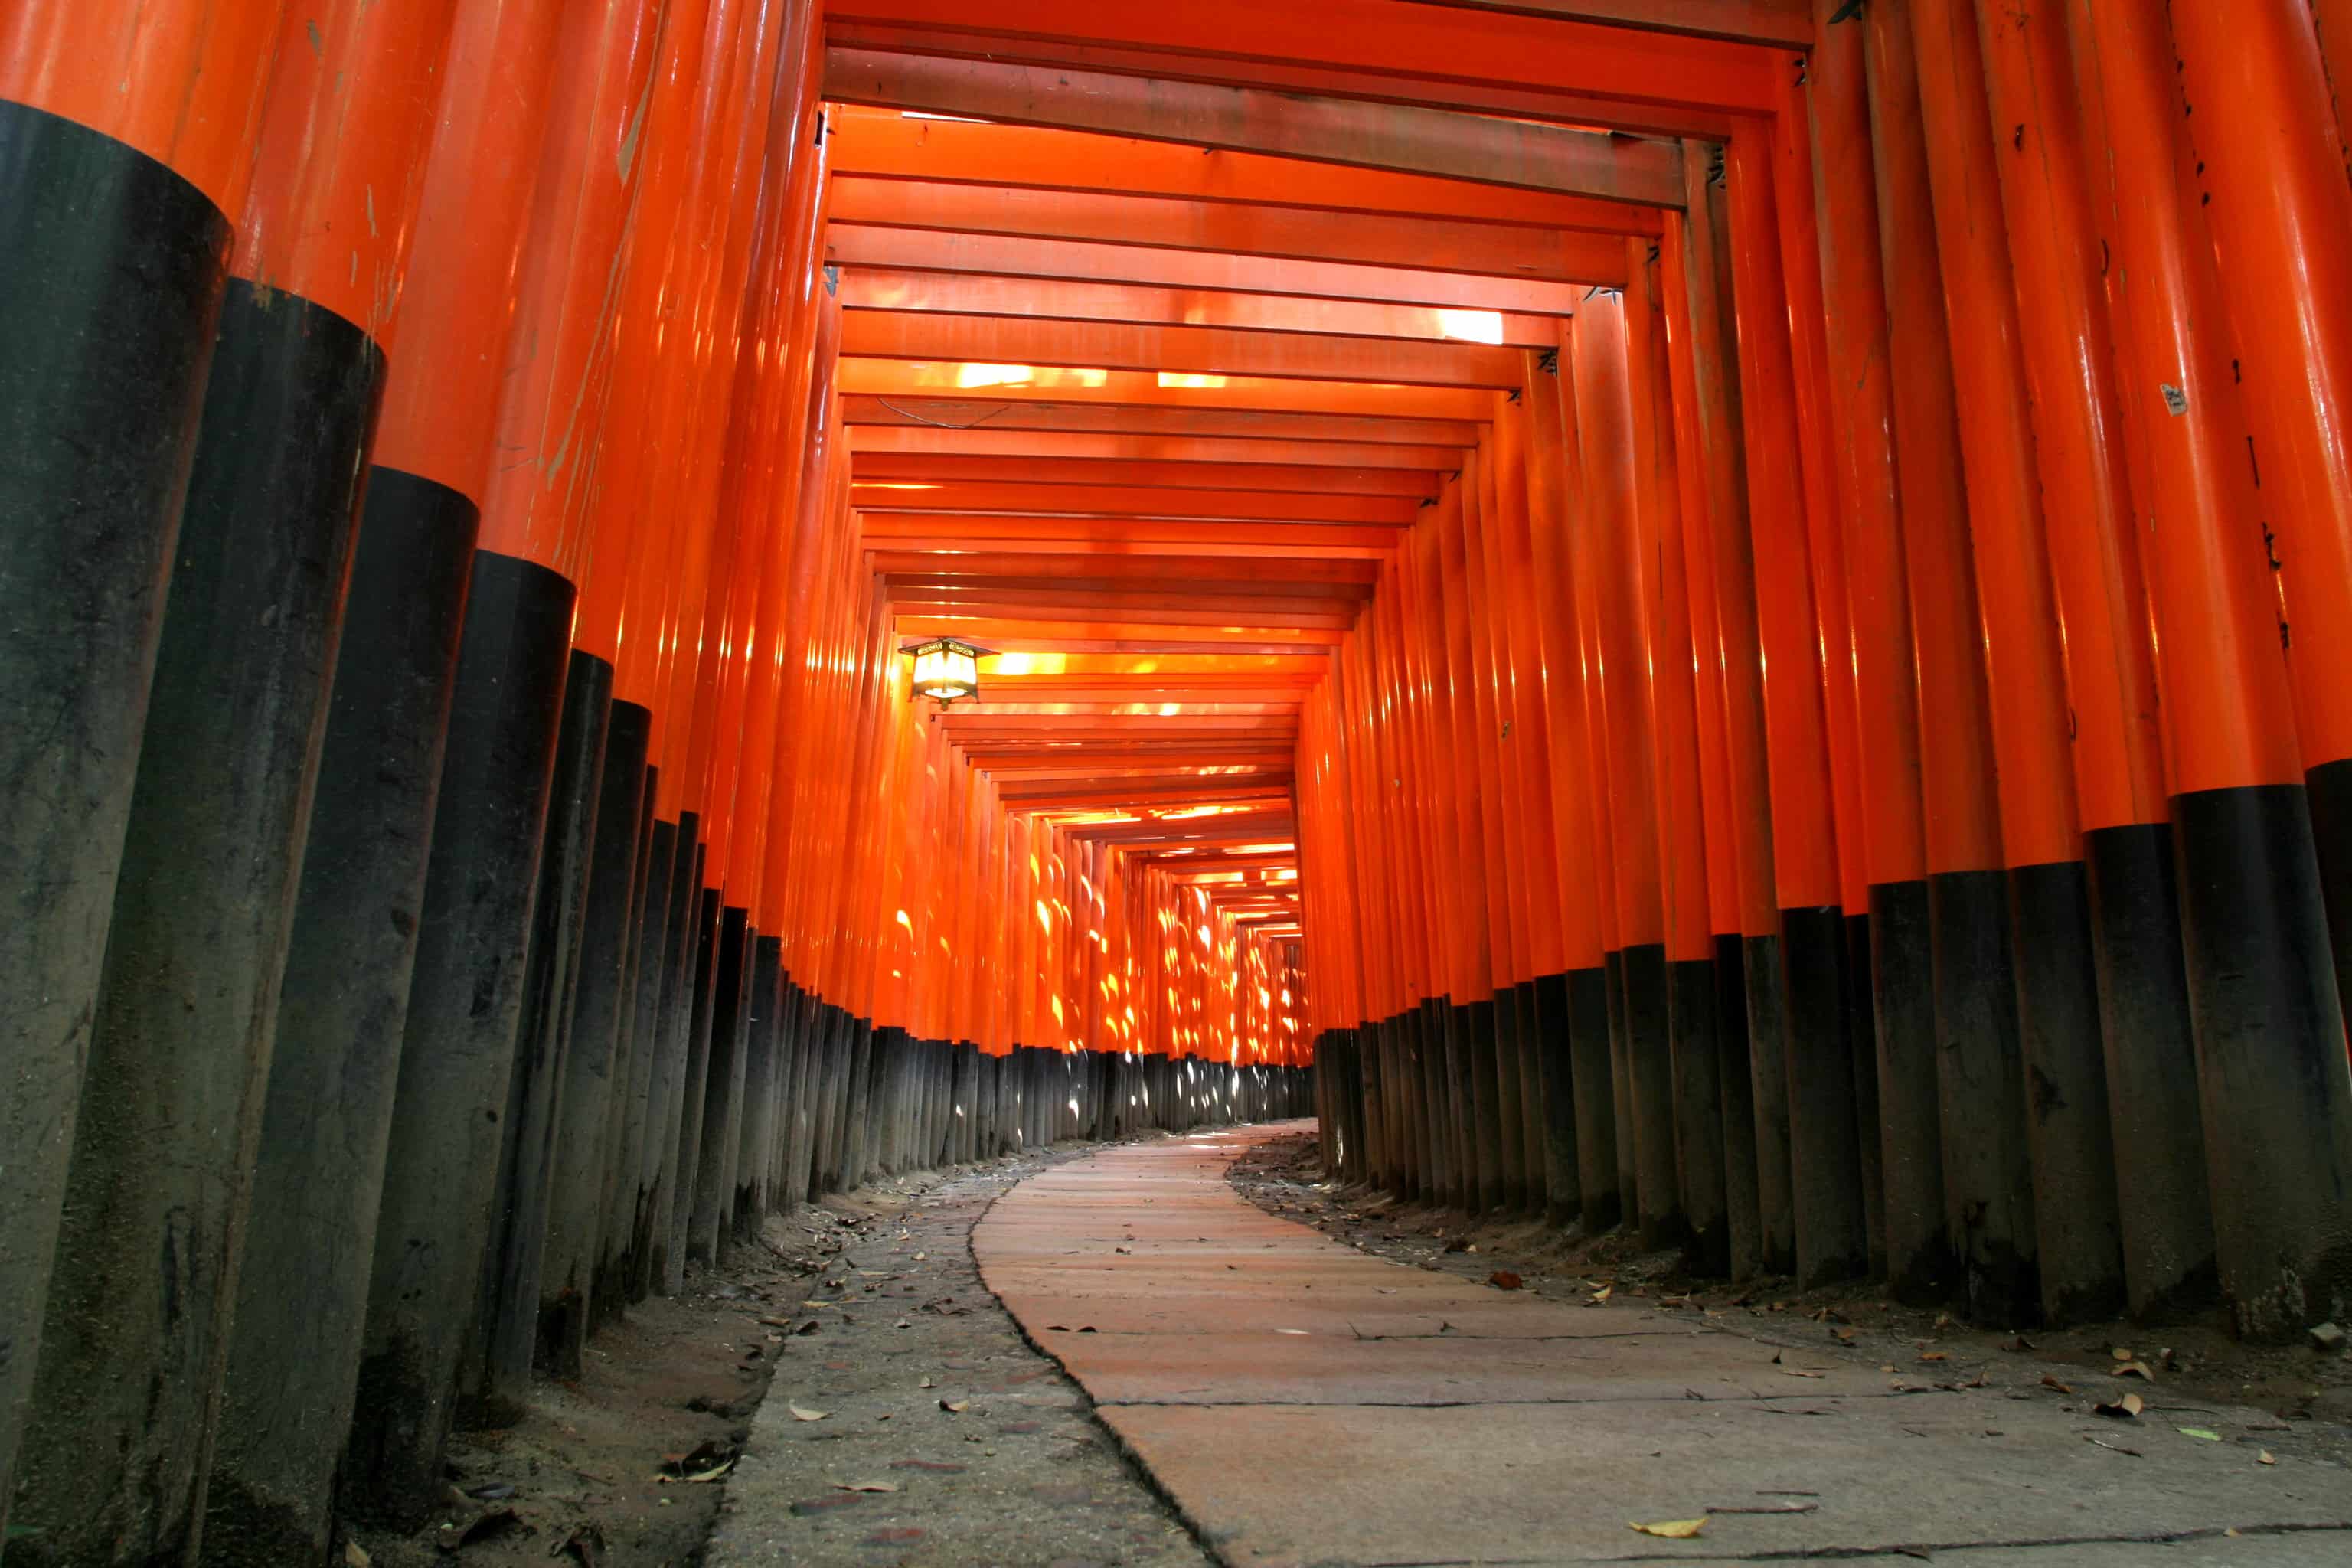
x=907 y=1424
x=1303 y=1403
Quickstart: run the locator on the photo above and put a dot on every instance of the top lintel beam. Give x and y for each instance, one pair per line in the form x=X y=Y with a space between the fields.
x=1250 y=120
x=1399 y=38
x=1773 y=24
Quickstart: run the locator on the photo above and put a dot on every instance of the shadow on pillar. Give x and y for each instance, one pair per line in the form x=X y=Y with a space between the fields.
x=595 y=1062
x=495 y=1376
x=722 y=1095
x=618 y=1239
x=756 y=1154
x=665 y=1081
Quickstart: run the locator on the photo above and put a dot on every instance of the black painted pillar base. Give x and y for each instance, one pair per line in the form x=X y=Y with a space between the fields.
x=1919 y=1265
x=1510 y=1149
x=1563 y=1187
x=595 y=1055
x=135 y=1339
x=628 y=1204
x=722 y=1094
x=1824 y=1143
x=2164 y=1205
x=457 y=1050
x=309 y=1240
x=1743 y=1219
x=495 y=1379
x=1690 y=985
x=114 y=269
x=2077 y=1228
x=1628 y=1143
x=2277 y=1099
x=1861 y=1042
x=756 y=1152
x=1649 y=1060
x=1593 y=1072
x=665 y=1083
x=1980 y=1081
x=1768 y=1066
x=1534 y=1123
x=685 y=1153
x=2327 y=797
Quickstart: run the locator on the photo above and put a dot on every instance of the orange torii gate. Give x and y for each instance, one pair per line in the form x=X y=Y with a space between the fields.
x=1724 y=615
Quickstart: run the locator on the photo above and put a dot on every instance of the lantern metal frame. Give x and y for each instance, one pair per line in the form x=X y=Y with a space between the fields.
x=947 y=694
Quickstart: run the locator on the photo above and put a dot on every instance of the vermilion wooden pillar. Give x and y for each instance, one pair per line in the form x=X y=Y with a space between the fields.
x=1980 y=1132
x=1824 y=1157
x=1613 y=580
x=2268 y=182
x=1730 y=668
x=1692 y=988
x=1894 y=1037
x=2040 y=843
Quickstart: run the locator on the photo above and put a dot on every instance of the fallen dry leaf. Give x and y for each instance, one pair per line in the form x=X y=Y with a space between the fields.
x=2122 y=1355
x=699 y=1476
x=800 y=1413
x=2050 y=1381
x=926 y=1382
x=2127 y=1408
x=955 y=1407
x=1844 y=1336
x=2135 y=1369
x=865 y=1485
x=1672 y=1528
x=356 y=1556
x=1934 y=1355
x=1504 y=1280
x=2019 y=1343
x=1800 y=1371
x=2265 y=1457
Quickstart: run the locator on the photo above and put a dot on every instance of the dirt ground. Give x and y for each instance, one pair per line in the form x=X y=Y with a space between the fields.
x=867 y=1308
x=2173 y=1367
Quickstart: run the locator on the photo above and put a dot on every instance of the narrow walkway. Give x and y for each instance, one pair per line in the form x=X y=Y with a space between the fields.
x=1305 y=1404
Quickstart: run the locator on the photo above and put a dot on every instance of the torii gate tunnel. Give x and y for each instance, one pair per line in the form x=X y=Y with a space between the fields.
x=1730 y=617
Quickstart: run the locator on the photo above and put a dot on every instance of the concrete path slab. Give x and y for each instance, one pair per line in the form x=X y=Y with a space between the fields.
x=1305 y=1404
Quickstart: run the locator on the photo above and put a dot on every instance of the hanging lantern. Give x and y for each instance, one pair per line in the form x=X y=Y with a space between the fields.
x=945 y=670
